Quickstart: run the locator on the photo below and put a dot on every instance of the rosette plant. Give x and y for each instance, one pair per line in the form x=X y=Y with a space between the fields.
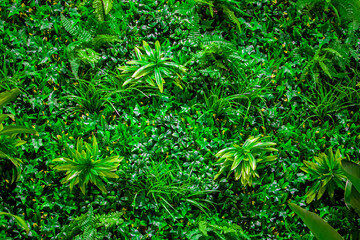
x=84 y=166
x=327 y=173
x=318 y=226
x=244 y=160
x=9 y=140
x=151 y=68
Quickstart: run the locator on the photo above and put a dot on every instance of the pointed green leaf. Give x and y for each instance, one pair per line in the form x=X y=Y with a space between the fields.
x=22 y=223
x=316 y=224
x=157 y=49
x=159 y=80
x=352 y=172
x=237 y=161
x=8 y=96
x=352 y=197
x=10 y=130
x=3 y=117
x=148 y=50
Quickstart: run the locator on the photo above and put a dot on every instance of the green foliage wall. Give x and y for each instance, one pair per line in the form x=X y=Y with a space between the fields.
x=253 y=68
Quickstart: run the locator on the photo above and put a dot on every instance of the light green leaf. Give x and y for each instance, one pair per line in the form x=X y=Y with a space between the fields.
x=352 y=172
x=157 y=49
x=8 y=96
x=102 y=8
x=158 y=79
x=316 y=224
x=352 y=197
x=11 y=130
x=3 y=117
x=22 y=223
x=237 y=161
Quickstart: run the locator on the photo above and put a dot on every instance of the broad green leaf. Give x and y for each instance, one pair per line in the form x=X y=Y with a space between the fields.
x=237 y=173
x=157 y=49
x=311 y=194
x=107 y=6
x=3 y=155
x=325 y=69
x=158 y=79
x=316 y=224
x=102 y=8
x=249 y=141
x=22 y=223
x=265 y=145
x=3 y=117
x=330 y=50
x=203 y=228
x=352 y=197
x=147 y=49
x=10 y=130
x=143 y=71
x=252 y=161
x=8 y=96
x=352 y=172
x=237 y=161
x=108 y=174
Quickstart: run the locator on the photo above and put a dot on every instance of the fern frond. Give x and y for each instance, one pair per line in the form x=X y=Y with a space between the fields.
x=186 y=9
x=230 y=14
x=118 y=12
x=101 y=40
x=89 y=56
x=193 y=38
x=109 y=220
x=86 y=226
x=349 y=10
x=88 y=221
x=117 y=19
x=216 y=39
x=89 y=234
x=69 y=232
x=204 y=2
x=75 y=65
x=75 y=31
x=300 y=4
x=115 y=25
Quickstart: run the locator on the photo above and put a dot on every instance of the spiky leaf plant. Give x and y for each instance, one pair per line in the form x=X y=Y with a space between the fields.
x=8 y=139
x=244 y=160
x=90 y=96
x=91 y=226
x=327 y=174
x=320 y=228
x=151 y=68
x=84 y=166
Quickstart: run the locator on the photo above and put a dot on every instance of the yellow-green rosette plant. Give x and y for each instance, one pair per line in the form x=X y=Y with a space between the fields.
x=243 y=160
x=326 y=172
x=151 y=68
x=84 y=166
